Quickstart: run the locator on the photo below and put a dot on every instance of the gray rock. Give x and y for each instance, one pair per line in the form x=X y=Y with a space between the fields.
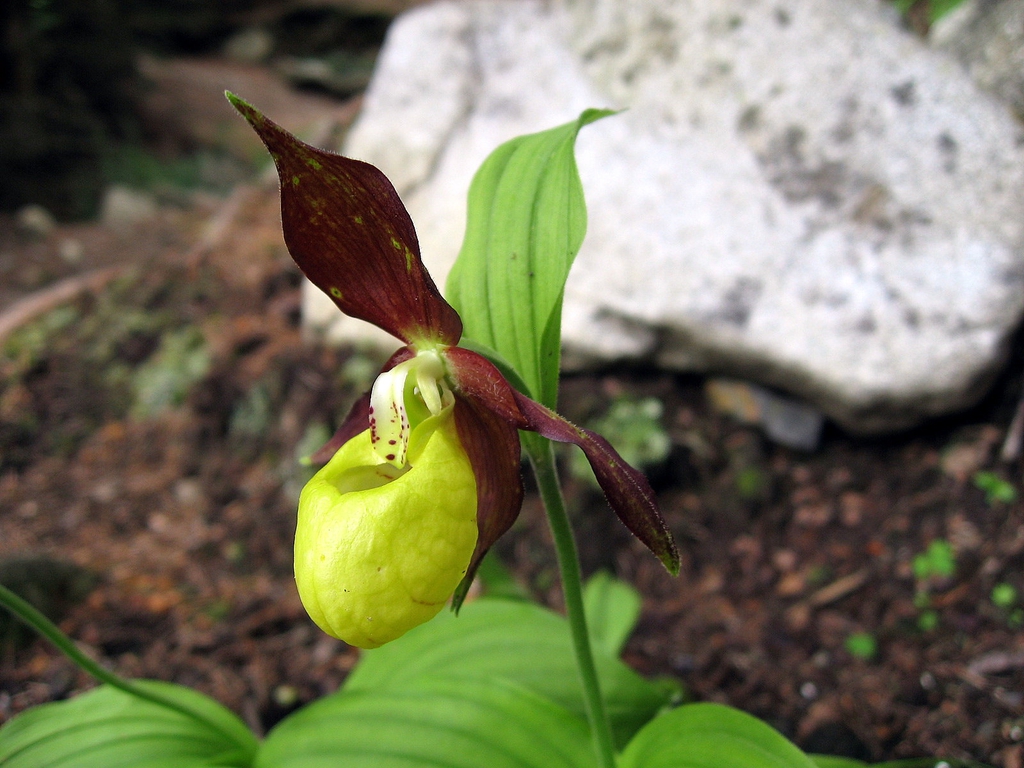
x=800 y=193
x=786 y=421
x=71 y=250
x=987 y=36
x=250 y=45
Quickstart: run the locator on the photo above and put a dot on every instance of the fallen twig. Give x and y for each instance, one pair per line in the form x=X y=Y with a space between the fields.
x=839 y=588
x=42 y=301
x=219 y=225
x=799 y=613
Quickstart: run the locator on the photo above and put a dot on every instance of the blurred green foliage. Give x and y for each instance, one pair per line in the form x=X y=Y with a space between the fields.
x=67 y=88
x=164 y=380
x=634 y=427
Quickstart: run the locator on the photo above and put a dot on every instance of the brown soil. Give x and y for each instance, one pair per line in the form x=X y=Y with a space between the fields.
x=186 y=516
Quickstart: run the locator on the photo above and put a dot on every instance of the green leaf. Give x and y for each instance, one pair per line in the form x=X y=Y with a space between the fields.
x=107 y=728
x=498 y=580
x=525 y=224
x=522 y=642
x=612 y=609
x=939 y=8
x=433 y=723
x=829 y=761
x=711 y=736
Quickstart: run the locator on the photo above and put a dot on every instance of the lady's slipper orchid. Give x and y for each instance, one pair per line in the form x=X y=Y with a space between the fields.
x=375 y=553
x=382 y=537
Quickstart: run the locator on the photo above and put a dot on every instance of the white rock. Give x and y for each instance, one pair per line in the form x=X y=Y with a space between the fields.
x=800 y=193
x=71 y=250
x=36 y=221
x=123 y=207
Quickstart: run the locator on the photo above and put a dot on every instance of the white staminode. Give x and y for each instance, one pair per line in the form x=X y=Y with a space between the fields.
x=389 y=416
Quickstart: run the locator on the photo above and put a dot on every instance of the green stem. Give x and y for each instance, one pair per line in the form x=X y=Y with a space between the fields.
x=542 y=457
x=31 y=616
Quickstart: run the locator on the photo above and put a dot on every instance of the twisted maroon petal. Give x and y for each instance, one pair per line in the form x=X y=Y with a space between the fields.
x=627 y=490
x=492 y=445
x=347 y=229
x=488 y=419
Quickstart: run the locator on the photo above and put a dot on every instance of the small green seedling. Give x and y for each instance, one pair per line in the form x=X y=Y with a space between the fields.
x=997 y=490
x=1004 y=596
x=862 y=645
x=927 y=617
x=752 y=483
x=935 y=563
x=928 y=620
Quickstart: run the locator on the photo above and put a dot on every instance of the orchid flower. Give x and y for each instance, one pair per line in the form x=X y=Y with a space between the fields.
x=425 y=474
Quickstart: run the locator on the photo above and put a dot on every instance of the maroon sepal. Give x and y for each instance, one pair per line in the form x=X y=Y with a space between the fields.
x=347 y=229
x=358 y=418
x=627 y=490
x=492 y=445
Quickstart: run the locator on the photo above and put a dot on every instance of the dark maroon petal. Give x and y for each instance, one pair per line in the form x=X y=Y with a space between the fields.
x=492 y=445
x=475 y=376
x=358 y=418
x=349 y=232
x=627 y=490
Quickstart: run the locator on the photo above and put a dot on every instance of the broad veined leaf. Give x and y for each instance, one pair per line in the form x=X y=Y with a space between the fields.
x=830 y=761
x=502 y=639
x=711 y=736
x=498 y=581
x=612 y=607
x=525 y=224
x=431 y=723
x=108 y=728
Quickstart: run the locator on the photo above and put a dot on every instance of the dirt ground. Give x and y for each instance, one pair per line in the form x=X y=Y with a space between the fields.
x=149 y=434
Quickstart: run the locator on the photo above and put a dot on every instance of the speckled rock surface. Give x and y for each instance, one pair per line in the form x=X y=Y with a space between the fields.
x=987 y=36
x=800 y=192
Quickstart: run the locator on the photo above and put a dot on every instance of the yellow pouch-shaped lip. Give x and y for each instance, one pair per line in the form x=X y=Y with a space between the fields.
x=378 y=550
